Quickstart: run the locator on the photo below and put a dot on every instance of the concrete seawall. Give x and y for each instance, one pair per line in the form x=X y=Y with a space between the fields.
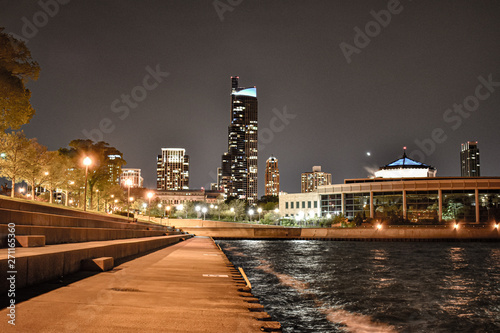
x=486 y=233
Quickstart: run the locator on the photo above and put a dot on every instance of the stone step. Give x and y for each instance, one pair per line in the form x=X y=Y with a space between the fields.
x=61 y=235
x=30 y=241
x=40 y=264
x=44 y=219
x=102 y=264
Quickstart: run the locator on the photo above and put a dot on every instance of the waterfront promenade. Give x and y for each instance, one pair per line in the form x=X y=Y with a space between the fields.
x=186 y=287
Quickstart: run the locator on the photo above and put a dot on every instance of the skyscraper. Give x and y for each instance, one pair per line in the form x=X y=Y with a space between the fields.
x=309 y=181
x=172 y=169
x=469 y=159
x=239 y=164
x=272 y=177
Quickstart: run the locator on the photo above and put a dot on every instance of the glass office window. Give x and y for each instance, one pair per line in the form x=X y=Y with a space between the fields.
x=459 y=205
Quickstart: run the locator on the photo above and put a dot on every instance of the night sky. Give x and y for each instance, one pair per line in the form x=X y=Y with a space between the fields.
x=395 y=91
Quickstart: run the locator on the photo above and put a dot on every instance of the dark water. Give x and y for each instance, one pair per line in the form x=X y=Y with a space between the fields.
x=321 y=286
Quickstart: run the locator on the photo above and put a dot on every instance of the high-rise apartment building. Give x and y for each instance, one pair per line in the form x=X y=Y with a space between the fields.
x=134 y=175
x=238 y=176
x=172 y=169
x=115 y=161
x=272 y=177
x=469 y=159
x=309 y=181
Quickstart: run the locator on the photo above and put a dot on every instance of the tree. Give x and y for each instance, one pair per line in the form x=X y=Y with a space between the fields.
x=36 y=162
x=16 y=68
x=106 y=163
x=13 y=163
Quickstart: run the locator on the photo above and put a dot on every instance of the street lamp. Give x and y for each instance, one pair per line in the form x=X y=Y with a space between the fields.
x=168 y=212
x=234 y=214
x=97 y=199
x=128 y=182
x=250 y=213
x=204 y=210
x=197 y=208
x=259 y=210
x=218 y=211
x=150 y=195
x=86 y=161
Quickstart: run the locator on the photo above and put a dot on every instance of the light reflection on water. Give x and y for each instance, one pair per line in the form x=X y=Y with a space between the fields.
x=318 y=286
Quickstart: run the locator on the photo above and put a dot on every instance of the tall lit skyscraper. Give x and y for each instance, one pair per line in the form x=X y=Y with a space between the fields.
x=272 y=177
x=309 y=181
x=172 y=169
x=239 y=164
x=469 y=159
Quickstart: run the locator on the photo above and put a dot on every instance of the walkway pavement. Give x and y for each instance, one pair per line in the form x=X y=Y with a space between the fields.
x=187 y=287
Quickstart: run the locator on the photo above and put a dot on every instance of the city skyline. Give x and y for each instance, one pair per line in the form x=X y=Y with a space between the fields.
x=426 y=86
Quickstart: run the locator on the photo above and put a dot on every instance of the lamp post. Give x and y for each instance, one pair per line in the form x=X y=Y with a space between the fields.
x=259 y=210
x=250 y=213
x=204 y=211
x=218 y=211
x=86 y=161
x=168 y=212
x=197 y=208
x=97 y=199
x=234 y=214
x=128 y=182
x=150 y=195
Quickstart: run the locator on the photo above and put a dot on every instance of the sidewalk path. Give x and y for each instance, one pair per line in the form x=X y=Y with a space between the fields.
x=187 y=287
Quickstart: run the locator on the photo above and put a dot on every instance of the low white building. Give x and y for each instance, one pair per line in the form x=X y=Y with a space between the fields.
x=301 y=205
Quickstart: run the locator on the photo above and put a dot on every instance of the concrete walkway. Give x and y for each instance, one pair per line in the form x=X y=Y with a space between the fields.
x=187 y=287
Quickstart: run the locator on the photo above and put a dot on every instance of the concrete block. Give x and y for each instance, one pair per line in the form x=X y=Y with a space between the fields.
x=31 y=240
x=98 y=264
x=43 y=268
x=73 y=260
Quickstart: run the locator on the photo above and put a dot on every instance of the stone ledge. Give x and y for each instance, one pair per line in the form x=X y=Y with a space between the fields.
x=31 y=240
x=102 y=264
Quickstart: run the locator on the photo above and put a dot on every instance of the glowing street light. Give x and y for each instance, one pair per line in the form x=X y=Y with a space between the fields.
x=250 y=213
x=204 y=211
x=234 y=214
x=259 y=210
x=379 y=226
x=128 y=182
x=456 y=226
x=86 y=161
x=150 y=195
x=496 y=226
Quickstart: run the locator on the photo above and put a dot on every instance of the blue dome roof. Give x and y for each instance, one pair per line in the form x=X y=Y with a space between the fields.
x=405 y=162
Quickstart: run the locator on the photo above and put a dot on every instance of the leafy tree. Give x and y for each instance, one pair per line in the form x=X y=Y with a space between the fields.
x=16 y=68
x=358 y=220
x=105 y=165
x=13 y=162
x=36 y=162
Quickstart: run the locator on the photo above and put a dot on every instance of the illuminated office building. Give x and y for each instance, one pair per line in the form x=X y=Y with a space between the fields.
x=469 y=158
x=172 y=169
x=238 y=176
